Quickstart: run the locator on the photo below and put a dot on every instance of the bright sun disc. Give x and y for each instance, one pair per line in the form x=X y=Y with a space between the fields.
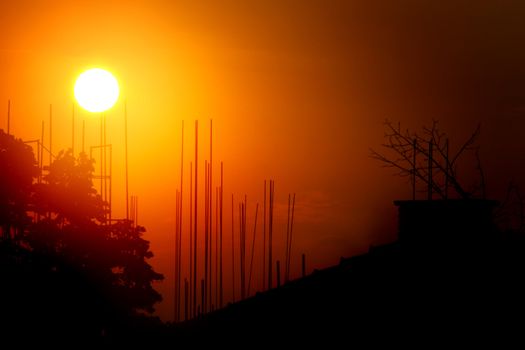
x=96 y=90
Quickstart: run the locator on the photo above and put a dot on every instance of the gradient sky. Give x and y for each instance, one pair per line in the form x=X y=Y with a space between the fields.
x=297 y=90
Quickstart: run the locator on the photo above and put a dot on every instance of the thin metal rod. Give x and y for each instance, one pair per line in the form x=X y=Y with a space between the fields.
x=136 y=210
x=83 y=135
x=50 y=134
x=216 y=246
x=179 y=252
x=125 y=155
x=233 y=254
x=270 y=232
x=73 y=130
x=220 y=237
x=287 y=241
x=210 y=204
x=264 y=240
x=110 y=181
x=253 y=247
x=206 y=236
x=191 y=237
x=105 y=167
x=176 y=275
x=195 y=220
x=290 y=243
x=42 y=151
x=101 y=157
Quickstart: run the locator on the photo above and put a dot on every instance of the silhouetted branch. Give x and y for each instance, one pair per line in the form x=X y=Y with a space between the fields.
x=404 y=150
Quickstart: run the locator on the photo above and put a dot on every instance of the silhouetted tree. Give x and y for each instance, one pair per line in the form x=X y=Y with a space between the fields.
x=426 y=156
x=69 y=269
x=18 y=169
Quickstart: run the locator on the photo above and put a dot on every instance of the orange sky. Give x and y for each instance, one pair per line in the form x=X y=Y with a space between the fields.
x=297 y=90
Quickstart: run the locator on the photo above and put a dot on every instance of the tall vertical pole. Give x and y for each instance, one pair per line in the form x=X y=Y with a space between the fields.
x=50 y=134
x=110 y=181
x=253 y=248
x=179 y=252
x=195 y=220
x=191 y=237
x=264 y=240
x=210 y=210
x=220 y=237
x=290 y=243
x=73 y=130
x=83 y=135
x=216 y=246
x=206 y=237
x=42 y=151
x=105 y=165
x=242 y=247
x=270 y=231
x=101 y=156
x=176 y=260
x=287 y=241
x=125 y=155
x=233 y=254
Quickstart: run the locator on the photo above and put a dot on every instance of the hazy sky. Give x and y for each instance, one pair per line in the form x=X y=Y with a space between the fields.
x=297 y=90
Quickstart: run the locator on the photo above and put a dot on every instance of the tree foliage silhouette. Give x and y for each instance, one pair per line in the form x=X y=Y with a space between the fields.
x=18 y=169
x=86 y=264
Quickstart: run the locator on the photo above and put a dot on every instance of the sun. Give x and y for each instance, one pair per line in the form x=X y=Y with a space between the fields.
x=96 y=90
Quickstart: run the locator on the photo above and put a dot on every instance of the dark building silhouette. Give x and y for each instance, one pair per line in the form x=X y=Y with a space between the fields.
x=446 y=221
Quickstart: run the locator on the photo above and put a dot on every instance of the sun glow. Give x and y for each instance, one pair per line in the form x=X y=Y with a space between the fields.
x=96 y=90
